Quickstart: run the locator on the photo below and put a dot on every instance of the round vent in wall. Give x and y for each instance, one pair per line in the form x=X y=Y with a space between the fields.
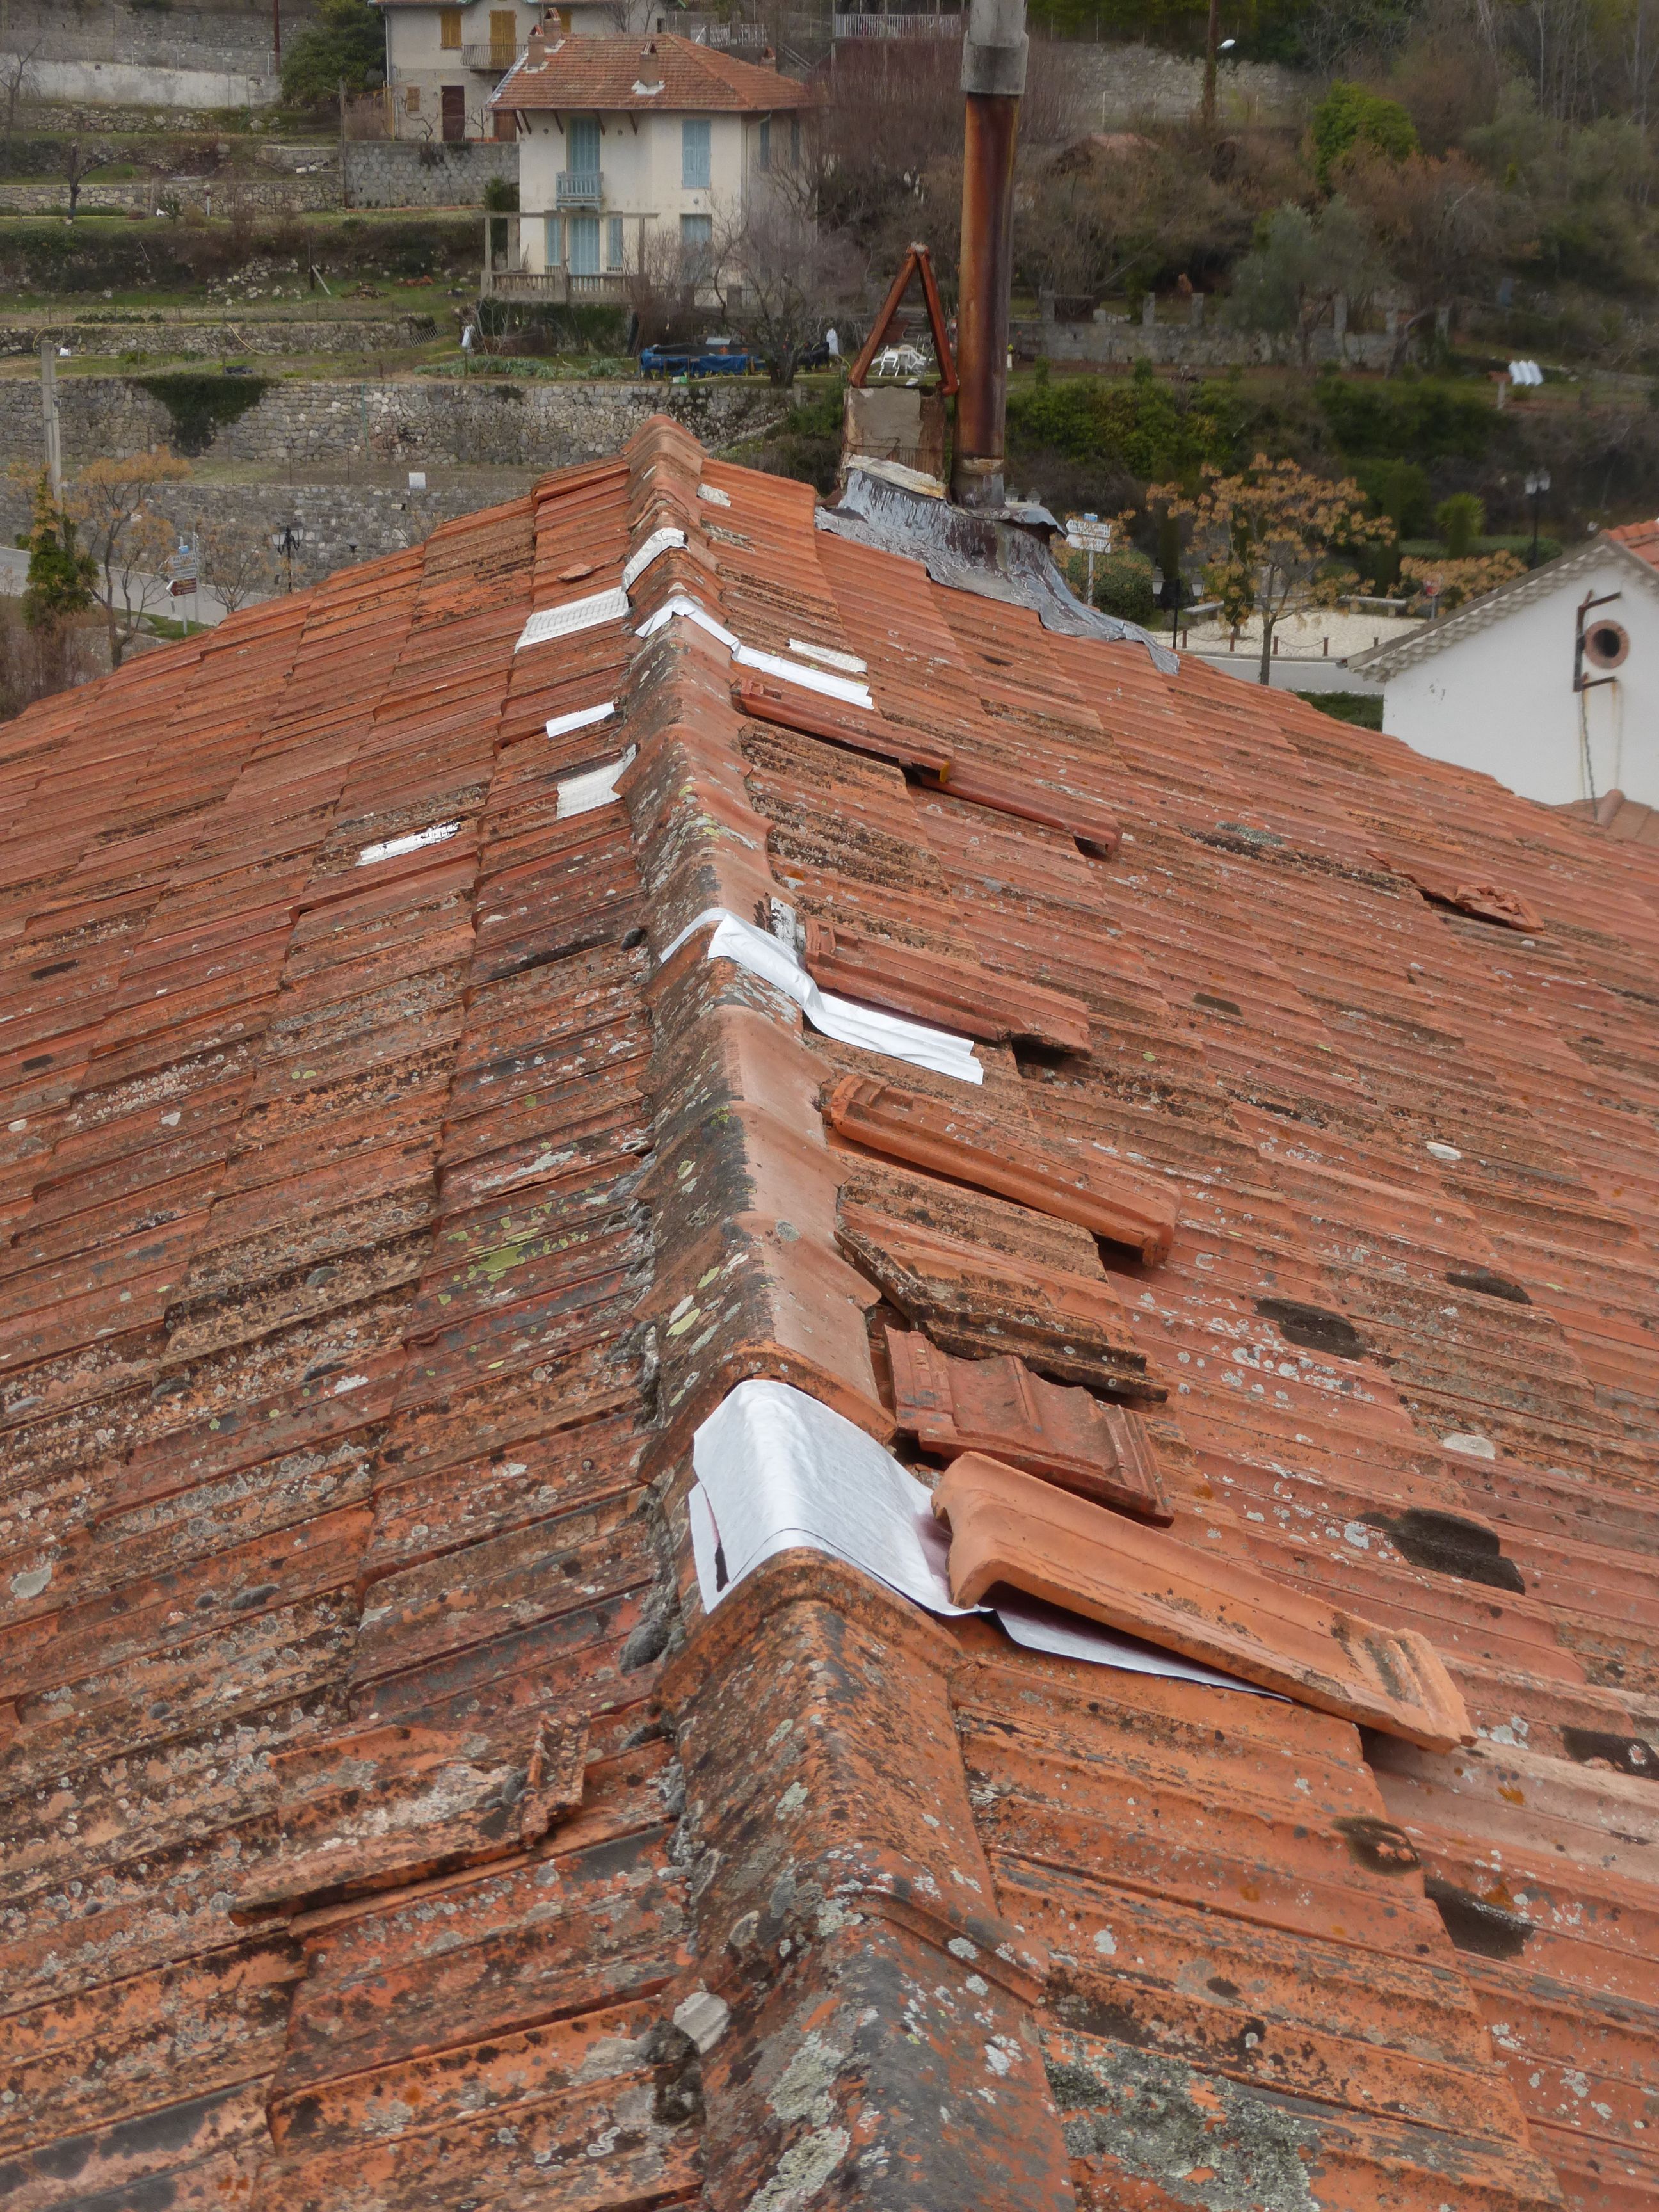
x=1607 y=644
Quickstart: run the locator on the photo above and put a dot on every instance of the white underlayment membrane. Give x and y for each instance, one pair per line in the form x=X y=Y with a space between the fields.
x=581 y=718
x=778 y=1472
x=867 y=1027
x=681 y=603
x=551 y=622
x=394 y=847
x=594 y=787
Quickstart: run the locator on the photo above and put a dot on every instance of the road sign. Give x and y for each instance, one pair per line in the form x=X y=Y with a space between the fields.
x=1088 y=533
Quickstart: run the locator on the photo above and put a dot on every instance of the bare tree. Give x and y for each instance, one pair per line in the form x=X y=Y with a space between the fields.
x=784 y=278
x=16 y=79
x=1440 y=224
x=235 y=560
x=78 y=166
x=112 y=504
x=628 y=19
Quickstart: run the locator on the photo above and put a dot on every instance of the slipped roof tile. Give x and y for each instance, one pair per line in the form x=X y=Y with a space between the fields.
x=375 y=1237
x=1007 y=1528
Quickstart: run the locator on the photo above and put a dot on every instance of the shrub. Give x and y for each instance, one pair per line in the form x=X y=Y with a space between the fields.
x=1141 y=425
x=1124 y=587
x=1460 y=520
x=1351 y=117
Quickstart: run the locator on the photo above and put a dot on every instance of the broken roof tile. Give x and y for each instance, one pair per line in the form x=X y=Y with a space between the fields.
x=377 y=1235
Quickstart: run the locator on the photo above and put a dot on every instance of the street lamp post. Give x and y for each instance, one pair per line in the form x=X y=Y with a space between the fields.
x=1538 y=482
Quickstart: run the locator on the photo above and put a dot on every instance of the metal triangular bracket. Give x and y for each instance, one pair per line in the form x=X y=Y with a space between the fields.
x=915 y=264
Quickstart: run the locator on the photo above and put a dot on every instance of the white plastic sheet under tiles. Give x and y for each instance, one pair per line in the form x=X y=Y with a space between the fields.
x=778 y=1472
x=551 y=622
x=594 y=787
x=660 y=541
x=867 y=1027
x=681 y=605
x=581 y=718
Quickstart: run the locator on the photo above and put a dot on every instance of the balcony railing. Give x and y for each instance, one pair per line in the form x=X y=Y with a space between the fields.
x=557 y=287
x=898 y=26
x=575 y=191
x=494 y=58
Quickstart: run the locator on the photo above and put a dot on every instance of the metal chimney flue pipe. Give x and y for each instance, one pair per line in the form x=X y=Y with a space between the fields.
x=993 y=78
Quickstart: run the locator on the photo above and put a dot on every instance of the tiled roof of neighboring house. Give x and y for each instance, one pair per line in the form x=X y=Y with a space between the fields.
x=662 y=72
x=1626 y=818
x=387 y=1825
x=1642 y=537
x=1387 y=660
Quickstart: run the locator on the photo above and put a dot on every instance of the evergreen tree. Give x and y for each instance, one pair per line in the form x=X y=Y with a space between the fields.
x=344 y=39
x=61 y=577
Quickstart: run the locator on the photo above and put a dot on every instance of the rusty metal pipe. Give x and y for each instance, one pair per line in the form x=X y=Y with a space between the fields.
x=992 y=78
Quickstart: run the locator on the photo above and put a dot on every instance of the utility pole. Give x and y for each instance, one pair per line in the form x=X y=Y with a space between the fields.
x=49 y=416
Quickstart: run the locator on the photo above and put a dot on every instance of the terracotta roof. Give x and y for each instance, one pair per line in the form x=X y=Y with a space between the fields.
x=1383 y=661
x=388 y=1826
x=1626 y=818
x=662 y=72
x=1642 y=537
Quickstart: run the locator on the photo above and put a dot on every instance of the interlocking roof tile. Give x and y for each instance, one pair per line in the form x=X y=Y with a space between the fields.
x=378 y=1794
x=663 y=71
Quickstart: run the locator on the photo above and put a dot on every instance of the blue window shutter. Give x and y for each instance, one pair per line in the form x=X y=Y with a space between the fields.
x=695 y=151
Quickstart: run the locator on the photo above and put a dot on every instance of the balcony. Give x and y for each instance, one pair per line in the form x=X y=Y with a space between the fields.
x=553 y=287
x=575 y=191
x=936 y=25
x=491 y=58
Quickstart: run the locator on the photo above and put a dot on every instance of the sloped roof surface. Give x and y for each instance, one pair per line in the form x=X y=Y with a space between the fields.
x=1642 y=537
x=378 y=1796
x=662 y=71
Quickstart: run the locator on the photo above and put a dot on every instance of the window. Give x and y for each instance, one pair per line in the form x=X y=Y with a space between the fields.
x=584 y=244
x=695 y=153
x=412 y=99
x=697 y=237
x=1605 y=644
x=503 y=37
x=766 y=142
x=613 y=241
x=794 y=141
x=449 y=29
x=554 y=246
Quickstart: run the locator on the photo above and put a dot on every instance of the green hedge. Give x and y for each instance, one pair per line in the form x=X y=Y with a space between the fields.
x=1428 y=421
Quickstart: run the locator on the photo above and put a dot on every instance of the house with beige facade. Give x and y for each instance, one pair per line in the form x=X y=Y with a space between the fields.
x=443 y=63
x=638 y=154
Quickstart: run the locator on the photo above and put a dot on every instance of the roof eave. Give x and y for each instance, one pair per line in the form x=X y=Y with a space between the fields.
x=1383 y=661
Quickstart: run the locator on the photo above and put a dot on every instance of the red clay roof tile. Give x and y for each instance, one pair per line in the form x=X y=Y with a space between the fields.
x=375 y=1238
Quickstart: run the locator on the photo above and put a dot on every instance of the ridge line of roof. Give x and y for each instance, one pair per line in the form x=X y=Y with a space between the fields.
x=1387 y=660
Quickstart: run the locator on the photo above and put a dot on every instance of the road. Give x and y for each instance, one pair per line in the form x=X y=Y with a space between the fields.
x=205 y=605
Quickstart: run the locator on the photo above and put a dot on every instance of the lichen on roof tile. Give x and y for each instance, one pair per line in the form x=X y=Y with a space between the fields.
x=380 y=1803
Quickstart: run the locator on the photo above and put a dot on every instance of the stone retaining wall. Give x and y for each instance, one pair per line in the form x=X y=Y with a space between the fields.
x=333 y=525
x=1118 y=84
x=398 y=172
x=162 y=340
x=1184 y=345
x=481 y=424
x=314 y=194
x=191 y=54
